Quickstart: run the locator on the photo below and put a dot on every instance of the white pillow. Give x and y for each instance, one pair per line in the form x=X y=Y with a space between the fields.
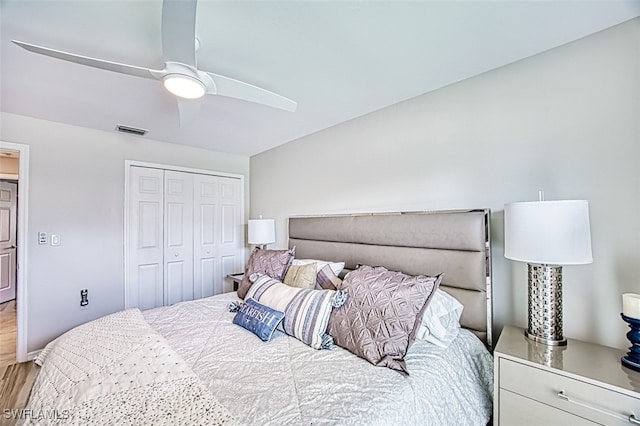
x=441 y=320
x=336 y=267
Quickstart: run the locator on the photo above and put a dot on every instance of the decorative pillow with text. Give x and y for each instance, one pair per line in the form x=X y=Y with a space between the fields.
x=306 y=311
x=259 y=319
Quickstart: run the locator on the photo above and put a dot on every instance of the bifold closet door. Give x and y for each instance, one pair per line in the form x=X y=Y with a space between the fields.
x=218 y=238
x=185 y=235
x=145 y=284
x=178 y=237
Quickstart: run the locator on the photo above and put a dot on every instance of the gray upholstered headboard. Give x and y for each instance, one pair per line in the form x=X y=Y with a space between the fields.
x=454 y=242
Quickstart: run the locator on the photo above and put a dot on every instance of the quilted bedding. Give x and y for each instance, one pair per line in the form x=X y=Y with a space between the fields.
x=284 y=382
x=117 y=370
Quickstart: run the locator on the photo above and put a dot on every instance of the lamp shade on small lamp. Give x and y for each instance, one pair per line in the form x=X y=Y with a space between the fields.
x=548 y=232
x=547 y=235
x=262 y=232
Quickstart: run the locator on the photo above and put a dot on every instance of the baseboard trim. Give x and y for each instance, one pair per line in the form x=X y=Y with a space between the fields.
x=32 y=355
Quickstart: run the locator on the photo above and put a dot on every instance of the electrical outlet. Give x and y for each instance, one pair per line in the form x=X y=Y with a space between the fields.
x=42 y=237
x=84 y=298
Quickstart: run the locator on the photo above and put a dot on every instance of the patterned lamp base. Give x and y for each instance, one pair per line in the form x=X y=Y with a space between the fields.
x=545 y=305
x=632 y=359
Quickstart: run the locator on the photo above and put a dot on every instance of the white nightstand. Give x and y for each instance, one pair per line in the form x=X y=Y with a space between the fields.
x=236 y=279
x=578 y=384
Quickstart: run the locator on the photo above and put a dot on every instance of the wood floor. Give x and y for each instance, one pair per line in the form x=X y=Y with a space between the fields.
x=16 y=380
x=8 y=332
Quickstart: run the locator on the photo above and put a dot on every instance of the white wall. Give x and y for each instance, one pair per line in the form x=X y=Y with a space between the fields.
x=76 y=189
x=566 y=121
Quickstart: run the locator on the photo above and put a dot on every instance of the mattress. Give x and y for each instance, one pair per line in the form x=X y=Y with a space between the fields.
x=285 y=382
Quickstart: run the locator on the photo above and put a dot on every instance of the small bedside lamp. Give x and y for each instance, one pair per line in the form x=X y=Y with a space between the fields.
x=262 y=232
x=546 y=235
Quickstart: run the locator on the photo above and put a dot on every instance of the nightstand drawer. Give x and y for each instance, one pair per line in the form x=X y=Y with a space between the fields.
x=521 y=411
x=574 y=396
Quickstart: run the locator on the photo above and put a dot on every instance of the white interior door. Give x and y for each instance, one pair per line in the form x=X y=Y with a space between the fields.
x=231 y=234
x=178 y=231
x=184 y=235
x=145 y=289
x=218 y=234
x=207 y=279
x=8 y=220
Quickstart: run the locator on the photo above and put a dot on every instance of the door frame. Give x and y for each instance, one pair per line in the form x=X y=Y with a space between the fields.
x=133 y=163
x=21 y=252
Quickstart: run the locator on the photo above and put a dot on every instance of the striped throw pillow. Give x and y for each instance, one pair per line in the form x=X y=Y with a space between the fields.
x=306 y=311
x=327 y=279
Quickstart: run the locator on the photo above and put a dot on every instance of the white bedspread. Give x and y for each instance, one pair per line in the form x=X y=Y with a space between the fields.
x=117 y=370
x=286 y=382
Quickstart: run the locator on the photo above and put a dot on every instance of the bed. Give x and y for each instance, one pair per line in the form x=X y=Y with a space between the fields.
x=189 y=364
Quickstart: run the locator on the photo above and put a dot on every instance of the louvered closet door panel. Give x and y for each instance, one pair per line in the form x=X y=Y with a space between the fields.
x=231 y=234
x=146 y=216
x=178 y=246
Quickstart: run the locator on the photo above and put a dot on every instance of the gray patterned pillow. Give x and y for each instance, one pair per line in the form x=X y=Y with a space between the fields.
x=380 y=318
x=273 y=263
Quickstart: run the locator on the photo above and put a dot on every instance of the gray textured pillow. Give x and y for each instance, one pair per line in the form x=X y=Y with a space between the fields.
x=380 y=318
x=273 y=263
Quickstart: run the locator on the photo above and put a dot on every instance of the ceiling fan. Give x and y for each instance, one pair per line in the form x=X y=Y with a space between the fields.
x=180 y=74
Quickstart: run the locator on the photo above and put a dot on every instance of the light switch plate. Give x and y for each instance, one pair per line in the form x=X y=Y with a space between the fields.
x=42 y=238
x=55 y=240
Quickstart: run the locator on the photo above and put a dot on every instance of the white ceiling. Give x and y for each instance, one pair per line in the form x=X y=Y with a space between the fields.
x=337 y=59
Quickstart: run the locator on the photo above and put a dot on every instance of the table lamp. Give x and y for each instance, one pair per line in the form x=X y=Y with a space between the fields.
x=262 y=232
x=547 y=235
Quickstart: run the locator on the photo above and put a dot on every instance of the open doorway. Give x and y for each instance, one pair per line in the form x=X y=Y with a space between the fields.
x=14 y=188
x=9 y=177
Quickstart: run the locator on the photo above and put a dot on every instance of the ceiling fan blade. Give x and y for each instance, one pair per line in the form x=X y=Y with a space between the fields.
x=225 y=86
x=188 y=110
x=179 y=31
x=85 y=60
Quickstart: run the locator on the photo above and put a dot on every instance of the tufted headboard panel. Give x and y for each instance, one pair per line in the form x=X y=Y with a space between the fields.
x=453 y=242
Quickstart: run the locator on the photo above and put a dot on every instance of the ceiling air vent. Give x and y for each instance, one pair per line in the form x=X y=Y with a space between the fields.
x=131 y=130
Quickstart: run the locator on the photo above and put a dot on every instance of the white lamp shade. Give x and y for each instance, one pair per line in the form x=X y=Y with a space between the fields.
x=262 y=231
x=548 y=232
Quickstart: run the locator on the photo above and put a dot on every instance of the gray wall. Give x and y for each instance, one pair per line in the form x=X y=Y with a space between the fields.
x=76 y=189
x=566 y=121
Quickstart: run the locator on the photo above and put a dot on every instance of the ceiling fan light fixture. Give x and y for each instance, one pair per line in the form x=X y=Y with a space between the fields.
x=184 y=86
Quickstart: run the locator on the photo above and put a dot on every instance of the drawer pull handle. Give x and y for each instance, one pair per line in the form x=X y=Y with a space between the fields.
x=631 y=418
